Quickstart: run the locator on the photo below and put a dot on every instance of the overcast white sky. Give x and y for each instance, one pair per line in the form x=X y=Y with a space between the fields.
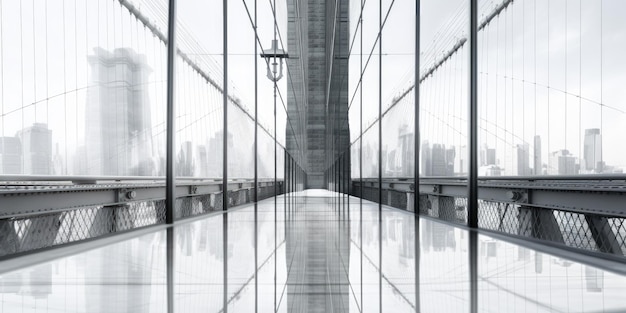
x=45 y=47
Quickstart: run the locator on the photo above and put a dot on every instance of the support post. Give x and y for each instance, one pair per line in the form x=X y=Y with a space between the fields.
x=170 y=179
x=225 y=117
x=416 y=123
x=256 y=110
x=472 y=180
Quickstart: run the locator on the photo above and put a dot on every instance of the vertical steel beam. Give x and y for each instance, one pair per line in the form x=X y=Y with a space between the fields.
x=170 y=179
x=380 y=104
x=225 y=99
x=170 y=250
x=380 y=155
x=416 y=123
x=286 y=179
x=361 y=111
x=472 y=179
x=416 y=149
x=473 y=269
x=256 y=109
x=225 y=155
x=225 y=263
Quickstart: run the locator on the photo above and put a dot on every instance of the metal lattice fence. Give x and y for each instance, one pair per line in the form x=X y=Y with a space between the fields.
x=451 y=209
x=586 y=231
x=22 y=234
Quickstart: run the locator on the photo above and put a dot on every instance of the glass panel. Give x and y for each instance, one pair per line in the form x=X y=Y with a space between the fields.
x=241 y=77
x=89 y=104
x=240 y=144
x=199 y=100
x=370 y=152
x=398 y=75
x=371 y=64
x=545 y=104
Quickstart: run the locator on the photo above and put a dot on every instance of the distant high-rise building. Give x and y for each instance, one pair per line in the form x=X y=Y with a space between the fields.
x=427 y=167
x=202 y=157
x=215 y=158
x=537 y=166
x=438 y=157
x=185 y=165
x=58 y=166
x=36 y=149
x=561 y=162
x=10 y=155
x=118 y=130
x=461 y=162
x=437 y=160
x=407 y=150
x=592 y=158
x=487 y=156
x=521 y=160
x=392 y=163
x=450 y=157
x=489 y=170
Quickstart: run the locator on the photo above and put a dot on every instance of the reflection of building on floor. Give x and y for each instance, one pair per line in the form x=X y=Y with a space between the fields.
x=594 y=279
x=318 y=281
x=123 y=283
x=40 y=286
x=438 y=237
x=407 y=246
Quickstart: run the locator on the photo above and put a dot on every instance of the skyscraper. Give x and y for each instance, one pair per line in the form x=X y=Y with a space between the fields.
x=427 y=168
x=10 y=155
x=407 y=150
x=487 y=156
x=450 y=157
x=561 y=162
x=537 y=166
x=438 y=159
x=592 y=159
x=185 y=163
x=521 y=160
x=118 y=138
x=36 y=149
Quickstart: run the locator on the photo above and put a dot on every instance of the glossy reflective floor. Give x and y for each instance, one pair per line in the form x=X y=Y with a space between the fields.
x=311 y=256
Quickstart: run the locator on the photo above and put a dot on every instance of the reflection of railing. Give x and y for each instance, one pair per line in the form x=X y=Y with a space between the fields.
x=586 y=212
x=42 y=212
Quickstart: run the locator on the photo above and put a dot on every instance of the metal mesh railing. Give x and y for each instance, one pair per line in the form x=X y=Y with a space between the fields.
x=451 y=209
x=22 y=234
x=25 y=233
x=502 y=217
x=574 y=230
x=586 y=231
x=197 y=205
x=618 y=226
